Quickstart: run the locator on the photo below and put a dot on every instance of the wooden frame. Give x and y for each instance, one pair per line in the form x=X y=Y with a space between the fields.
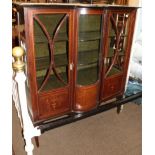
x=73 y=98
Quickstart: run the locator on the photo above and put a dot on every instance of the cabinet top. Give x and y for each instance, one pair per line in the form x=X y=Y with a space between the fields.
x=72 y=5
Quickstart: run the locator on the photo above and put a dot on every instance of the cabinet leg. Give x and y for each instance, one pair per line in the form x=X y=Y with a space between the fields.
x=119 y=97
x=120 y=107
x=36 y=138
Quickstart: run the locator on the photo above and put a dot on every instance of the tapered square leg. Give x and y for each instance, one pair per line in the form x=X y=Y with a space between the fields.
x=36 y=138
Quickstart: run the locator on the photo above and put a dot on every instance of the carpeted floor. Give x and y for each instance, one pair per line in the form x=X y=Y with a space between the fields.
x=104 y=134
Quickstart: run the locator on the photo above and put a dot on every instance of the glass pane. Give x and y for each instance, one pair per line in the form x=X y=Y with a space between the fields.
x=51 y=45
x=88 y=48
x=52 y=81
x=116 y=44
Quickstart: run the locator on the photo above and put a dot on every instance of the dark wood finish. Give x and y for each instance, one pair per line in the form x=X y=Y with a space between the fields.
x=71 y=97
x=112 y=87
x=36 y=138
x=121 y=2
x=86 y=97
x=54 y=103
x=36 y=98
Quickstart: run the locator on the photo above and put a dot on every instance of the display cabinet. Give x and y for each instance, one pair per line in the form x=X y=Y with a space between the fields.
x=77 y=55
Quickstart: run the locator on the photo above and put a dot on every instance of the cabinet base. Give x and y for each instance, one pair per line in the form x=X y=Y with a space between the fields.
x=73 y=117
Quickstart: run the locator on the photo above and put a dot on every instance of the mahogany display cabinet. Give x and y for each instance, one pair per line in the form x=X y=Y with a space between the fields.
x=77 y=56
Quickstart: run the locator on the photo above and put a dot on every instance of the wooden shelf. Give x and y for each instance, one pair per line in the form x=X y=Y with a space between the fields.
x=88 y=57
x=43 y=39
x=111 y=53
x=114 y=35
x=90 y=35
x=44 y=62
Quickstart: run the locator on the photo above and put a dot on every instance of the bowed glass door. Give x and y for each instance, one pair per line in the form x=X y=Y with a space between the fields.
x=88 y=54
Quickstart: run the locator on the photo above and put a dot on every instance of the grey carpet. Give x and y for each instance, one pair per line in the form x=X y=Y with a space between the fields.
x=104 y=134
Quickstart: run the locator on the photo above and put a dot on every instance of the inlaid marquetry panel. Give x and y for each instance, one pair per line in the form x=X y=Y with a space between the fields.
x=112 y=86
x=53 y=103
x=86 y=97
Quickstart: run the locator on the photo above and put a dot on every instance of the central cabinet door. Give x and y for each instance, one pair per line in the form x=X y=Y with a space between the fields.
x=52 y=46
x=89 y=23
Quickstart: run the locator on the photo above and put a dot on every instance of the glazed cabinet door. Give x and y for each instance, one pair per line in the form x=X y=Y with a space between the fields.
x=118 y=39
x=51 y=48
x=88 y=34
